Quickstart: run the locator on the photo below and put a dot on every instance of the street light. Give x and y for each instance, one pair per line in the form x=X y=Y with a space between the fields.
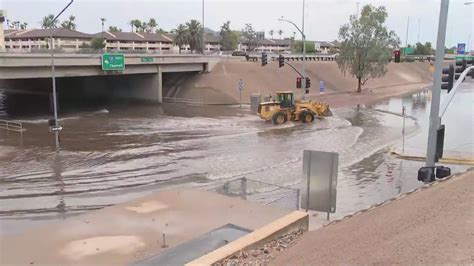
x=303 y=37
x=56 y=129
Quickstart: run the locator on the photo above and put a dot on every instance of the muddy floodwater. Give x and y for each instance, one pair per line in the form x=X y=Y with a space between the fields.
x=112 y=153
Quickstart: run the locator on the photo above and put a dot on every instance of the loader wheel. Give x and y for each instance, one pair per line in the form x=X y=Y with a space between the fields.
x=307 y=117
x=279 y=118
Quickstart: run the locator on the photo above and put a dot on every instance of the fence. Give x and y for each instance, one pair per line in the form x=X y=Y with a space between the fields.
x=187 y=101
x=12 y=126
x=261 y=192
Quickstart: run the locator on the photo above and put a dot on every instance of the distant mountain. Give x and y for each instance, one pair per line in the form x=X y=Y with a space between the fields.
x=213 y=32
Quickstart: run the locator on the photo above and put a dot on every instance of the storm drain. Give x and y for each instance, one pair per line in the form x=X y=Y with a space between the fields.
x=198 y=247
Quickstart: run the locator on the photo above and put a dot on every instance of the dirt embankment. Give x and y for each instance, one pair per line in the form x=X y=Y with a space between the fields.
x=433 y=226
x=221 y=85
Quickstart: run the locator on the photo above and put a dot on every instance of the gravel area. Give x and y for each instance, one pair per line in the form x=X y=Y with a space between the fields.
x=262 y=255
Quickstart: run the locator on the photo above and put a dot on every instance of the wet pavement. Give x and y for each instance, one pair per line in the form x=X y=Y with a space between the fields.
x=119 y=152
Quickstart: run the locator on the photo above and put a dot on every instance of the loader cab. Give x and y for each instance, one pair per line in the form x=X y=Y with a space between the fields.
x=286 y=99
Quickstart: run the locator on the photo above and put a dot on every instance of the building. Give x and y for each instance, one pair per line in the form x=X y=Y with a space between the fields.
x=2 y=35
x=326 y=47
x=34 y=39
x=267 y=45
x=124 y=41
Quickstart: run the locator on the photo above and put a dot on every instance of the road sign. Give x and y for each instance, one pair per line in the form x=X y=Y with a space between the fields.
x=241 y=84
x=113 y=62
x=461 y=48
x=147 y=59
x=321 y=87
x=408 y=50
x=320 y=169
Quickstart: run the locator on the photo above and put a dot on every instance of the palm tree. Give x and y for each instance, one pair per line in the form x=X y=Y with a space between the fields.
x=114 y=29
x=280 y=32
x=195 y=35
x=181 y=36
x=132 y=24
x=23 y=25
x=69 y=24
x=271 y=33
x=152 y=25
x=48 y=22
x=145 y=27
x=138 y=24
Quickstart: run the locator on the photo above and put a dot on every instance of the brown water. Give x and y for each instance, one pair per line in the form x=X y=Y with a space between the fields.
x=118 y=152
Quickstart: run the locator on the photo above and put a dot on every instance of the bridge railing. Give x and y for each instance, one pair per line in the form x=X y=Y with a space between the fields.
x=12 y=126
x=187 y=101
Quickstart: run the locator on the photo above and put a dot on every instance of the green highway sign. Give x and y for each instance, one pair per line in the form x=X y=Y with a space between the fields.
x=147 y=59
x=408 y=50
x=113 y=62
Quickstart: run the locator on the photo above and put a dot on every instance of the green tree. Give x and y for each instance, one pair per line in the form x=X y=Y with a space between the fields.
x=425 y=49
x=228 y=38
x=195 y=35
x=160 y=31
x=97 y=43
x=298 y=47
x=69 y=23
x=23 y=25
x=250 y=37
x=114 y=29
x=181 y=36
x=271 y=32
x=47 y=22
x=367 y=45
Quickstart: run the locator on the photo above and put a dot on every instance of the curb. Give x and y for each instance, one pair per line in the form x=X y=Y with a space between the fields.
x=294 y=221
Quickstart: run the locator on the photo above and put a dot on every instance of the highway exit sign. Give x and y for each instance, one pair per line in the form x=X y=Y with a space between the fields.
x=113 y=62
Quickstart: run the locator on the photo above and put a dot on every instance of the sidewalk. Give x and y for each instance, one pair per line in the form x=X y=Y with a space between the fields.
x=432 y=226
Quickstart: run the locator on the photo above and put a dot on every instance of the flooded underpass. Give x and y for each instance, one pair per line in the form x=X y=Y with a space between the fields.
x=118 y=152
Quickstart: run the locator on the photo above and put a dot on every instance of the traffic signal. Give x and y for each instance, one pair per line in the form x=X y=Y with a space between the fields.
x=264 y=59
x=281 y=61
x=308 y=83
x=447 y=80
x=298 y=83
x=397 y=56
x=459 y=70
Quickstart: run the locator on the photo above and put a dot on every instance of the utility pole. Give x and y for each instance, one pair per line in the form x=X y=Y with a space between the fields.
x=203 y=34
x=406 y=36
x=436 y=90
x=303 y=81
x=419 y=28
x=357 y=14
x=53 y=78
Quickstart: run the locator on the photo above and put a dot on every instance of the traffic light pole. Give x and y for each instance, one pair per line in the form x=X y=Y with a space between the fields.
x=436 y=90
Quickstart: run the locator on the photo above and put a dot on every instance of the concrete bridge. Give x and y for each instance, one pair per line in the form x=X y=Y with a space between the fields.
x=142 y=77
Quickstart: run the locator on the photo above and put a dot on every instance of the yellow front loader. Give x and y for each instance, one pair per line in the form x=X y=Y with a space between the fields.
x=285 y=108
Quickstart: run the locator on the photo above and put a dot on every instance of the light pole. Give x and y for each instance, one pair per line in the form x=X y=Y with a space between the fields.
x=56 y=129
x=303 y=38
x=406 y=37
x=436 y=90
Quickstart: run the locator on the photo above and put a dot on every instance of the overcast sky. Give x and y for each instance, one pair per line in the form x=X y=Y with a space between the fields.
x=322 y=17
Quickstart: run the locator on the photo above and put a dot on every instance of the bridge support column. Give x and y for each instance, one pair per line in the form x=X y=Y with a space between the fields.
x=160 y=84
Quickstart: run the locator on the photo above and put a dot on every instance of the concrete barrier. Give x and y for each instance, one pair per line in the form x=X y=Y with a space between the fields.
x=292 y=222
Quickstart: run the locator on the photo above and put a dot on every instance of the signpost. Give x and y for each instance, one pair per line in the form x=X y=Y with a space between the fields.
x=461 y=48
x=241 y=88
x=408 y=50
x=321 y=87
x=320 y=169
x=113 y=62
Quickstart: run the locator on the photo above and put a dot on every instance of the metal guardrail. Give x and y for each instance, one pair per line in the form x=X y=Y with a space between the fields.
x=187 y=101
x=12 y=126
x=261 y=192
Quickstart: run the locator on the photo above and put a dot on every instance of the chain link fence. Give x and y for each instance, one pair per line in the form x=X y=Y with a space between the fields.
x=261 y=192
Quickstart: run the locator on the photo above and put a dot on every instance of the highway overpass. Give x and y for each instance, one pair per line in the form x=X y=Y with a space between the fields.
x=142 y=77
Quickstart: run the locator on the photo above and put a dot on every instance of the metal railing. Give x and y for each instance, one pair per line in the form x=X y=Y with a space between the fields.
x=187 y=101
x=12 y=126
x=261 y=192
